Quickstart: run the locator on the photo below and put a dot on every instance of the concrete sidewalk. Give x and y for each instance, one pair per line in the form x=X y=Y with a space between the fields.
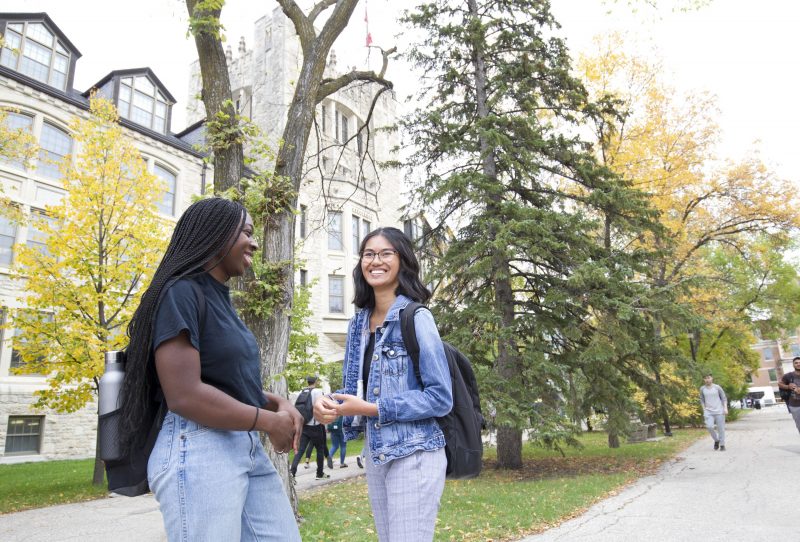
x=123 y=519
x=743 y=493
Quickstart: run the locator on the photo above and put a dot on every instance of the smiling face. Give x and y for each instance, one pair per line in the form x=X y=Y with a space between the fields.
x=382 y=271
x=240 y=256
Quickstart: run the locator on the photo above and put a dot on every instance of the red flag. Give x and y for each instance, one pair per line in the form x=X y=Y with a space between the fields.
x=366 y=20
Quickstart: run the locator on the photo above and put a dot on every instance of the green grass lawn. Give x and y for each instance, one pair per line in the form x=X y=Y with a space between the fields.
x=501 y=505
x=33 y=485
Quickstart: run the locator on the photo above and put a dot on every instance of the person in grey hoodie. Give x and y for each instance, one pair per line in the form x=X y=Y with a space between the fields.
x=715 y=408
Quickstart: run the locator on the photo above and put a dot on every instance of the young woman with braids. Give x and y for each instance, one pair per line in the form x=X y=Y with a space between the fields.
x=382 y=397
x=208 y=468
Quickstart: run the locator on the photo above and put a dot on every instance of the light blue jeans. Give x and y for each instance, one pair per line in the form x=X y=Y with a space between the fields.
x=216 y=485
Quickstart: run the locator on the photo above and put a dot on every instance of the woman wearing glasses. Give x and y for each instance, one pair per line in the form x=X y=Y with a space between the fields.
x=405 y=459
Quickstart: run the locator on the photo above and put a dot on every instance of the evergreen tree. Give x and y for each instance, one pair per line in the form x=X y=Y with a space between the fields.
x=498 y=140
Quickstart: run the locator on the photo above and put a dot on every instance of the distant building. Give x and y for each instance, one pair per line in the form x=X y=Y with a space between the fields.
x=776 y=360
x=37 y=68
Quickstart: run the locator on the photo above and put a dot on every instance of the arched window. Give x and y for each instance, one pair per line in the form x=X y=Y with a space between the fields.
x=23 y=123
x=33 y=50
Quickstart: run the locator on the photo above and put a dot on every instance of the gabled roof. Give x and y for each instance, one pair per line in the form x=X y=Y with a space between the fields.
x=134 y=72
x=45 y=18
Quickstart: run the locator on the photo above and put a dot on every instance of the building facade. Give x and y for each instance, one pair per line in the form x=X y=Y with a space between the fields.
x=776 y=360
x=345 y=193
x=37 y=68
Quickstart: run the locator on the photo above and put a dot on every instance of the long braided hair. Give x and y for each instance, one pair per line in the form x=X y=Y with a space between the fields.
x=204 y=233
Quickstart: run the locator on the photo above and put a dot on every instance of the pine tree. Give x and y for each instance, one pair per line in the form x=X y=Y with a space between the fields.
x=498 y=140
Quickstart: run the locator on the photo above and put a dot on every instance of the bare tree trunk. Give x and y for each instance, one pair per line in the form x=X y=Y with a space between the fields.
x=613 y=439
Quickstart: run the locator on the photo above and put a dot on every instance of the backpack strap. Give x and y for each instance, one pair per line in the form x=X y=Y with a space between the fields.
x=409 y=334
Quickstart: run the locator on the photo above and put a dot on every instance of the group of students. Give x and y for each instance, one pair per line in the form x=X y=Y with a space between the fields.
x=208 y=469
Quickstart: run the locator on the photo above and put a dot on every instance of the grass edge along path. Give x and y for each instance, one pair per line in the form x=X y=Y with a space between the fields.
x=503 y=505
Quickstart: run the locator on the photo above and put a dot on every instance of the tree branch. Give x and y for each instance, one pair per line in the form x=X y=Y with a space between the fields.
x=330 y=86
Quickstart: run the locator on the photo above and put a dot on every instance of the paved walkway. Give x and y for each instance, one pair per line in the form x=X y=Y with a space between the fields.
x=740 y=494
x=122 y=519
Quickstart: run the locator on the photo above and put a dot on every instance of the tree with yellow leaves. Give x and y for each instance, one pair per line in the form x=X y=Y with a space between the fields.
x=665 y=144
x=100 y=246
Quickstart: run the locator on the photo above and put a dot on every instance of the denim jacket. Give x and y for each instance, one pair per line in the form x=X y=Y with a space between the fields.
x=406 y=420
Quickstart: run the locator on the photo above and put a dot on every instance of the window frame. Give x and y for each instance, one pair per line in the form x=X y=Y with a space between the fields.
x=331 y=297
x=303 y=225
x=10 y=437
x=47 y=167
x=13 y=241
x=18 y=164
x=335 y=236
x=157 y=96
x=56 y=49
x=174 y=187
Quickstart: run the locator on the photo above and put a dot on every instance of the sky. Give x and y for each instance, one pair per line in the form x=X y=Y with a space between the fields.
x=743 y=52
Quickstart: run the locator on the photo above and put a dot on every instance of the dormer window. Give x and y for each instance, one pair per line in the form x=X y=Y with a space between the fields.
x=33 y=50
x=141 y=102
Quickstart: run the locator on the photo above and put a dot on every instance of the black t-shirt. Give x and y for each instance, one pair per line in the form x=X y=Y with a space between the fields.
x=229 y=358
x=787 y=379
x=368 y=358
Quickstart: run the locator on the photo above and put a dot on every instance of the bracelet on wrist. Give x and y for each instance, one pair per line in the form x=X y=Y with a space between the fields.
x=255 y=420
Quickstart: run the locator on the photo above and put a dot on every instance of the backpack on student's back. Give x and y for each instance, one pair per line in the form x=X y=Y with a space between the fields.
x=127 y=472
x=462 y=425
x=304 y=405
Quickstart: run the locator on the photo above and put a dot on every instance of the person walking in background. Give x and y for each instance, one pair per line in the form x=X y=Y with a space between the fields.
x=715 y=408
x=208 y=469
x=337 y=442
x=791 y=381
x=313 y=435
x=382 y=397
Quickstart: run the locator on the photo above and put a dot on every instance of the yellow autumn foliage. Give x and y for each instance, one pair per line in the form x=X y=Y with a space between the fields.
x=101 y=245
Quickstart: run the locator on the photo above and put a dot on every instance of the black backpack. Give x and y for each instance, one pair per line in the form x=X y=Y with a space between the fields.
x=127 y=473
x=304 y=405
x=462 y=425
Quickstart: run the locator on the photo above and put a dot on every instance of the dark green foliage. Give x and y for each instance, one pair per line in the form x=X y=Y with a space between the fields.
x=532 y=280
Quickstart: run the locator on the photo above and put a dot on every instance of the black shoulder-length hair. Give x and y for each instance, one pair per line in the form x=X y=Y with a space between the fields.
x=409 y=285
x=204 y=233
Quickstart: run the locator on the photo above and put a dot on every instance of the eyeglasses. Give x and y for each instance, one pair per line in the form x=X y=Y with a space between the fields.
x=385 y=255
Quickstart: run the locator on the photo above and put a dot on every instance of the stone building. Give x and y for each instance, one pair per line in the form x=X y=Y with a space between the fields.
x=345 y=193
x=37 y=69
